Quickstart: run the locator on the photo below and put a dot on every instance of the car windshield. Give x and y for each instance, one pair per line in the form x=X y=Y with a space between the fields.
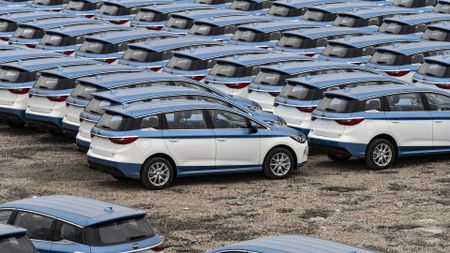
x=182 y=62
x=294 y=41
x=179 y=22
x=56 y=40
x=150 y=16
x=242 y=5
x=52 y=82
x=114 y=10
x=336 y=104
x=270 y=77
x=204 y=29
x=48 y=2
x=383 y=57
x=142 y=55
x=436 y=35
x=247 y=35
x=7 y=26
x=301 y=92
x=17 y=244
x=442 y=8
x=339 y=50
x=97 y=105
x=409 y=3
x=13 y=75
x=349 y=21
x=282 y=11
x=435 y=69
x=97 y=47
x=84 y=91
x=230 y=70
x=27 y=32
x=318 y=15
x=211 y=2
x=396 y=28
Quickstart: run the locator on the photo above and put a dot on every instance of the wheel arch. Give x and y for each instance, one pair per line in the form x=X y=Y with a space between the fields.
x=165 y=156
x=387 y=137
x=292 y=151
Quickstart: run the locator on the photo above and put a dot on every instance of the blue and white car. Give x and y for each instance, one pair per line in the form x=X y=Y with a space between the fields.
x=196 y=63
x=121 y=12
x=270 y=80
x=223 y=28
x=254 y=7
x=83 y=93
x=154 y=54
x=14 y=239
x=155 y=17
x=301 y=95
x=380 y=124
x=402 y=61
x=434 y=70
x=288 y=244
x=16 y=80
x=266 y=35
x=83 y=8
x=25 y=54
x=293 y=9
x=442 y=6
x=109 y=47
x=439 y=32
x=311 y=42
x=64 y=223
x=101 y=101
x=47 y=104
x=188 y=138
x=233 y=75
x=358 y=50
x=412 y=24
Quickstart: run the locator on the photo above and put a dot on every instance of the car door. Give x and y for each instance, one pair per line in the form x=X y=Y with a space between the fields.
x=70 y=239
x=439 y=106
x=410 y=124
x=237 y=145
x=39 y=229
x=189 y=141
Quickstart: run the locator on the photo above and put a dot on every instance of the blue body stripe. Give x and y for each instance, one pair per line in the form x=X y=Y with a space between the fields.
x=20 y=114
x=52 y=120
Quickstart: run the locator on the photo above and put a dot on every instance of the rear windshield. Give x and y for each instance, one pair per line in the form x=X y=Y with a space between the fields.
x=142 y=55
x=97 y=105
x=114 y=10
x=13 y=75
x=349 y=21
x=341 y=51
x=150 y=16
x=337 y=104
x=249 y=35
x=186 y=63
x=434 y=69
x=77 y=5
x=52 y=82
x=293 y=41
x=7 y=26
x=436 y=35
x=27 y=32
x=57 y=40
x=396 y=28
x=284 y=11
x=230 y=70
x=301 y=92
x=269 y=77
x=117 y=122
x=17 y=244
x=244 y=5
x=122 y=231
x=409 y=3
x=318 y=15
x=390 y=58
x=205 y=29
x=84 y=91
x=442 y=8
x=180 y=22
x=211 y=2
x=48 y=2
x=97 y=47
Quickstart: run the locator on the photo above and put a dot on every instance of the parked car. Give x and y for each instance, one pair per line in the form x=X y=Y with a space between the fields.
x=402 y=61
x=270 y=80
x=231 y=141
x=254 y=7
x=412 y=24
x=109 y=47
x=86 y=87
x=154 y=54
x=49 y=5
x=47 y=103
x=380 y=124
x=154 y=17
x=293 y=9
x=223 y=28
x=83 y=8
x=266 y=35
x=439 y=32
x=358 y=50
x=123 y=11
x=101 y=101
x=442 y=6
x=6 y=10
x=327 y=13
x=16 y=80
x=25 y=54
x=435 y=70
x=67 y=40
x=233 y=75
x=15 y=240
x=311 y=42
x=63 y=223
x=301 y=96
x=288 y=244
x=195 y=63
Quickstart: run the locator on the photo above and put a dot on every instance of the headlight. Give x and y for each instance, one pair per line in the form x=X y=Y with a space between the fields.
x=301 y=138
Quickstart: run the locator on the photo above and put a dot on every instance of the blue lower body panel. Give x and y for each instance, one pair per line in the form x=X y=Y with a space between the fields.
x=43 y=120
x=334 y=147
x=12 y=115
x=131 y=170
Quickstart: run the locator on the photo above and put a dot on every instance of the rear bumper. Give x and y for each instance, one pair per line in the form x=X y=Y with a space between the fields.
x=70 y=130
x=338 y=148
x=17 y=116
x=130 y=170
x=43 y=121
x=82 y=145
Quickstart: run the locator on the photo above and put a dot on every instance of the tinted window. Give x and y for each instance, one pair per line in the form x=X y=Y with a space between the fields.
x=150 y=16
x=337 y=104
x=179 y=22
x=438 y=102
x=372 y=105
x=267 y=77
x=52 y=40
x=28 y=33
x=51 y=82
x=186 y=120
x=390 y=58
x=6 y=26
x=230 y=70
x=205 y=29
x=97 y=106
x=4 y=216
x=292 y=41
x=243 y=5
x=301 y=92
x=84 y=91
x=436 y=35
x=212 y=2
x=97 y=47
x=14 y=75
x=318 y=15
x=249 y=36
x=349 y=21
x=442 y=8
x=118 y=122
x=409 y=3
x=38 y=227
x=341 y=51
x=114 y=10
x=77 y=5
x=186 y=63
x=70 y=233
x=17 y=244
x=141 y=55
x=434 y=69
x=396 y=28
x=283 y=11
x=222 y=119
x=405 y=102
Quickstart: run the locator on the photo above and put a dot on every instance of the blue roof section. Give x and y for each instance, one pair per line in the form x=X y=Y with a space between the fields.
x=234 y=20
x=15 y=9
x=121 y=36
x=317 y=33
x=199 y=14
x=80 y=211
x=219 y=51
x=132 y=3
x=174 y=43
x=88 y=29
x=58 y=22
x=301 y=67
x=334 y=8
x=263 y=59
x=87 y=70
x=442 y=59
x=335 y=79
x=30 y=16
x=14 y=55
x=10 y=231
x=278 y=26
x=417 y=47
x=379 y=11
x=445 y=27
x=48 y=63
x=292 y=244
x=298 y=4
x=176 y=7
x=422 y=18
x=375 y=39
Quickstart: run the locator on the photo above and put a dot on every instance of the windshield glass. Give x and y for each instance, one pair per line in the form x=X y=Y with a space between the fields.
x=142 y=55
x=17 y=244
x=28 y=33
x=97 y=105
x=442 y=8
x=150 y=16
x=179 y=22
x=409 y=3
x=293 y=41
x=186 y=63
x=300 y=92
x=242 y=5
x=84 y=90
x=230 y=70
x=436 y=35
x=48 y=2
x=97 y=47
x=54 y=40
x=52 y=82
x=338 y=50
x=77 y=5
x=204 y=29
x=249 y=36
x=318 y=15
x=268 y=77
x=434 y=69
x=336 y=104
x=395 y=28
x=390 y=58
x=13 y=75
x=6 y=26
x=114 y=10
x=283 y=11
x=349 y=21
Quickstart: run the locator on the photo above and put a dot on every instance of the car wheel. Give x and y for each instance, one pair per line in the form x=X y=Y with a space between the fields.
x=279 y=163
x=338 y=158
x=157 y=173
x=380 y=154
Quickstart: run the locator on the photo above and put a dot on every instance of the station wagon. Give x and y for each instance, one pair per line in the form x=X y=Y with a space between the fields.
x=15 y=240
x=293 y=9
x=439 y=32
x=442 y=6
x=416 y=23
x=435 y=70
x=49 y=5
x=83 y=8
x=254 y=7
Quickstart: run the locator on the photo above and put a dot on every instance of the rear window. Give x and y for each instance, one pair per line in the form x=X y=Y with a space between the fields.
x=435 y=69
x=97 y=47
x=179 y=22
x=390 y=58
x=6 y=26
x=230 y=70
x=150 y=16
x=13 y=75
x=350 y=21
x=293 y=41
x=442 y=8
x=341 y=51
x=284 y=11
x=249 y=36
x=186 y=63
x=77 y=5
x=268 y=77
x=409 y=3
x=48 y=2
x=244 y=5
x=142 y=55
x=17 y=244
x=117 y=122
x=52 y=82
x=436 y=35
x=337 y=104
x=114 y=10
x=57 y=40
x=27 y=32
x=205 y=29
x=318 y=15
x=396 y=28
x=97 y=105
x=84 y=91
x=301 y=92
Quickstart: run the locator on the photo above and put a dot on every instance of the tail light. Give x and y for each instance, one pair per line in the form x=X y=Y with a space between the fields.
x=89 y=16
x=56 y=10
x=123 y=141
x=158 y=248
x=398 y=73
x=349 y=122
x=198 y=78
x=31 y=45
x=237 y=85
x=4 y=39
x=274 y=94
x=154 y=28
x=443 y=86
x=306 y=109
x=68 y=52
x=110 y=61
x=155 y=69
x=20 y=91
x=310 y=55
x=57 y=99
x=118 y=22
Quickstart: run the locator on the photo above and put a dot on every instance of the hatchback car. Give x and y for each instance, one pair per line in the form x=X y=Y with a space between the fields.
x=293 y=9
x=442 y=6
x=222 y=140
x=103 y=100
x=25 y=54
x=412 y=24
x=435 y=70
x=109 y=47
x=15 y=240
x=233 y=75
x=154 y=17
x=47 y=103
x=358 y=50
x=154 y=54
x=63 y=223
x=439 y=32
x=49 y=5
x=402 y=61
x=270 y=80
x=380 y=124
x=301 y=95
x=254 y=7
x=16 y=80
x=83 y=8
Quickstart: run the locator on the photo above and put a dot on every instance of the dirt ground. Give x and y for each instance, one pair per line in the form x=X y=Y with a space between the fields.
x=403 y=209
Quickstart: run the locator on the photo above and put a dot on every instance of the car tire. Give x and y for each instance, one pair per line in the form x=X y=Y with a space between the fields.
x=338 y=158
x=157 y=173
x=279 y=163
x=380 y=154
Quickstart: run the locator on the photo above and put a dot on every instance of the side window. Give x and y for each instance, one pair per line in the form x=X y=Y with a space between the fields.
x=405 y=102
x=372 y=104
x=186 y=120
x=222 y=119
x=150 y=122
x=438 y=102
x=70 y=233
x=38 y=227
x=4 y=216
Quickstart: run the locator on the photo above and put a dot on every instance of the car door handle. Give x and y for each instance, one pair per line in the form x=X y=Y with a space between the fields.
x=438 y=121
x=395 y=122
x=221 y=139
x=173 y=140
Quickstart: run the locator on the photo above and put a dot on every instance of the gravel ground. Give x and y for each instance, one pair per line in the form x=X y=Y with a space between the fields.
x=403 y=209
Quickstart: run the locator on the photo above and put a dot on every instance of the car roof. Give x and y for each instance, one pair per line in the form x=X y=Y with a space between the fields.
x=443 y=59
x=88 y=29
x=300 y=67
x=419 y=18
x=13 y=55
x=85 y=70
x=76 y=210
x=10 y=231
x=445 y=26
x=15 y=9
x=417 y=47
x=37 y=15
x=133 y=3
x=121 y=36
x=305 y=3
x=58 y=22
x=219 y=51
x=338 y=7
x=268 y=27
x=169 y=8
x=199 y=14
x=262 y=59
x=233 y=20
x=374 y=39
x=174 y=43
x=335 y=79
x=47 y=63
x=379 y=11
x=362 y=93
x=316 y=33
x=292 y=244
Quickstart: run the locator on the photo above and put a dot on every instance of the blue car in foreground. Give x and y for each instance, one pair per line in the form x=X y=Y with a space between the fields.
x=63 y=223
x=14 y=239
